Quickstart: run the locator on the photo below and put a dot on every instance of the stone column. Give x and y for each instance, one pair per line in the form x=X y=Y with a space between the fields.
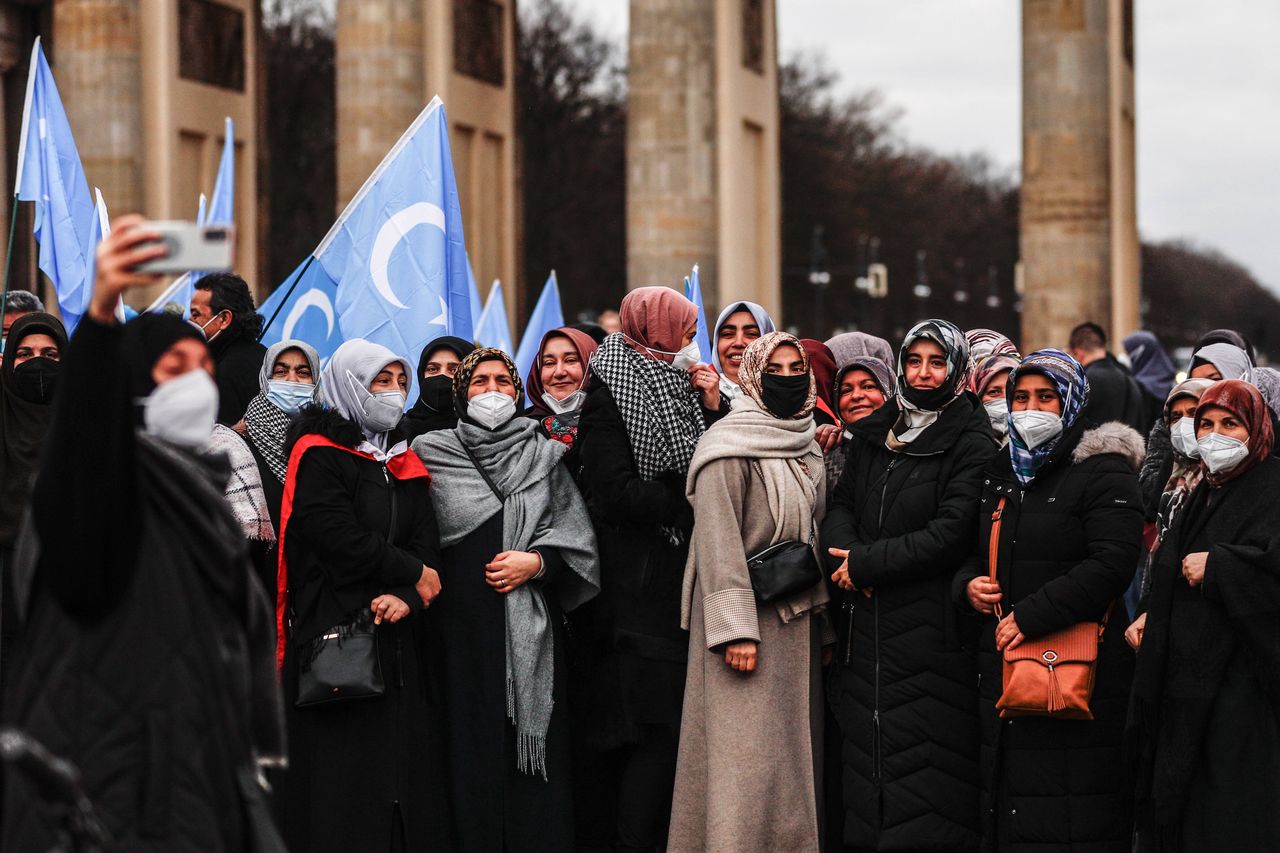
x=12 y=34
x=1077 y=220
x=702 y=148
x=380 y=82
x=96 y=59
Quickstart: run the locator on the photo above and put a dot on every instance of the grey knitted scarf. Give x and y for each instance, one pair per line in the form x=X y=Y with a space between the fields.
x=541 y=508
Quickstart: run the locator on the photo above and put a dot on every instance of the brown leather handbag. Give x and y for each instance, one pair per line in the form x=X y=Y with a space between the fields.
x=1053 y=675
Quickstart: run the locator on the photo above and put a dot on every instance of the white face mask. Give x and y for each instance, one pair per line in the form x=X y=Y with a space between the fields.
x=1221 y=453
x=204 y=330
x=1183 y=436
x=491 y=409
x=566 y=406
x=383 y=410
x=183 y=411
x=998 y=414
x=1036 y=428
x=686 y=357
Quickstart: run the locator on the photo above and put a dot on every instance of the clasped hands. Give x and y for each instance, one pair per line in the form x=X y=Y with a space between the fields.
x=392 y=608
x=984 y=594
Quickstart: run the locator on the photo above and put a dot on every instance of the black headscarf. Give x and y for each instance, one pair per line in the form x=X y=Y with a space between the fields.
x=435 y=409
x=146 y=338
x=23 y=424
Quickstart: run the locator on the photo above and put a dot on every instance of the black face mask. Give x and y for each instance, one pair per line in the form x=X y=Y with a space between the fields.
x=437 y=393
x=35 y=380
x=784 y=396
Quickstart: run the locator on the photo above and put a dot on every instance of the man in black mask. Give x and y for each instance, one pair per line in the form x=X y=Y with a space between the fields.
x=436 y=366
x=28 y=377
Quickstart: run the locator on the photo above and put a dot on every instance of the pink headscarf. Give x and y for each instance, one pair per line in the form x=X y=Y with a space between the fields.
x=656 y=318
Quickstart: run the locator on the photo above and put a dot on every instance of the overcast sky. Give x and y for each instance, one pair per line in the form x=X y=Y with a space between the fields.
x=1208 y=98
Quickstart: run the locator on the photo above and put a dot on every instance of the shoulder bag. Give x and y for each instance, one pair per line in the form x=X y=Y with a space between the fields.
x=341 y=664
x=1053 y=675
x=784 y=569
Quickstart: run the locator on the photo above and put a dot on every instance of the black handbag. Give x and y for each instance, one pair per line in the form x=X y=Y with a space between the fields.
x=341 y=664
x=782 y=570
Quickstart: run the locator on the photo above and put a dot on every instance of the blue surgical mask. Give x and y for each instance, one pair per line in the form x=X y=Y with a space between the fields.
x=289 y=397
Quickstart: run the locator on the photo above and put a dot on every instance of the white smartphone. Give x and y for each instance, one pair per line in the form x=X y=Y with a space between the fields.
x=207 y=248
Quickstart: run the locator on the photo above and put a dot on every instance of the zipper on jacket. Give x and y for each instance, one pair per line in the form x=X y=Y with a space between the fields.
x=848 y=631
x=391 y=487
x=875 y=625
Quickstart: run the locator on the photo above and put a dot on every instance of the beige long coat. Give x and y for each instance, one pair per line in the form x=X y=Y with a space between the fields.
x=748 y=776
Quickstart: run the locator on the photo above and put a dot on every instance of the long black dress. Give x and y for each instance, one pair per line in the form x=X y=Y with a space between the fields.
x=1204 y=719
x=368 y=774
x=495 y=807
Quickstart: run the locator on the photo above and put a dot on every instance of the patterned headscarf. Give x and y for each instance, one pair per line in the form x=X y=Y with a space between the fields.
x=1267 y=380
x=1069 y=380
x=756 y=358
x=462 y=379
x=989 y=368
x=850 y=345
x=1245 y=402
x=956 y=351
x=1186 y=472
x=983 y=344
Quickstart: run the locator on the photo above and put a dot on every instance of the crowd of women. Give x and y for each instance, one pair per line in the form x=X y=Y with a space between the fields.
x=789 y=600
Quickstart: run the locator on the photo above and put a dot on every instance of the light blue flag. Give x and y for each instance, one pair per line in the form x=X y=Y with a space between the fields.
x=492 y=330
x=398 y=252
x=49 y=173
x=202 y=209
x=222 y=205
x=545 y=317
x=693 y=292
x=308 y=315
x=393 y=268
x=477 y=307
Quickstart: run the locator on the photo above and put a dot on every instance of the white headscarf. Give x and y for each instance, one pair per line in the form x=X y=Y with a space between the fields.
x=345 y=382
x=1231 y=361
x=273 y=352
x=728 y=387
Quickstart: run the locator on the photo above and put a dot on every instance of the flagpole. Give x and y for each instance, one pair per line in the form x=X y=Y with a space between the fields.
x=8 y=258
x=288 y=293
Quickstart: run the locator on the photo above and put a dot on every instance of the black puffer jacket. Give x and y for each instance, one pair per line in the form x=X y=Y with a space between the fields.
x=904 y=687
x=1068 y=545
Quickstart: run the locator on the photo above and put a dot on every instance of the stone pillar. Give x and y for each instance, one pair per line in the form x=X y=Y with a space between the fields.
x=393 y=56
x=12 y=34
x=702 y=148
x=380 y=83
x=1078 y=228
x=96 y=58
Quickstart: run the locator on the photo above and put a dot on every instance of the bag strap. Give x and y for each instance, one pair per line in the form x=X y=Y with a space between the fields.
x=483 y=473
x=993 y=548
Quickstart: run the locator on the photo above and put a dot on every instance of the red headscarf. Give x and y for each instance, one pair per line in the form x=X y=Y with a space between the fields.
x=582 y=342
x=1245 y=402
x=823 y=365
x=656 y=317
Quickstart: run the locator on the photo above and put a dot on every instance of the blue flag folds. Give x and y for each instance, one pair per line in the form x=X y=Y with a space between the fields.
x=222 y=205
x=492 y=329
x=397 y=252
x=309 y=314
x=693 y=292
x=545 y=317
x=49 y=173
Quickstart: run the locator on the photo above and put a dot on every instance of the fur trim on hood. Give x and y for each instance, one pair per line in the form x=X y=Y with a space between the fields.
x=1114 y=438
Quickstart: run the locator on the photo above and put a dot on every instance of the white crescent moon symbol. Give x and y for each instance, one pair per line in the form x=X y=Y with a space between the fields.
x=311 y=299
x=391 y=233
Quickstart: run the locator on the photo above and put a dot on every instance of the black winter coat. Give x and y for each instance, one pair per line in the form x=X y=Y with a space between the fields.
x=239 y=366
x=904 y=687
x=365 y=775
x=146 y=660
x=630 y=635
x=1068 y=546
x=1114 y=395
